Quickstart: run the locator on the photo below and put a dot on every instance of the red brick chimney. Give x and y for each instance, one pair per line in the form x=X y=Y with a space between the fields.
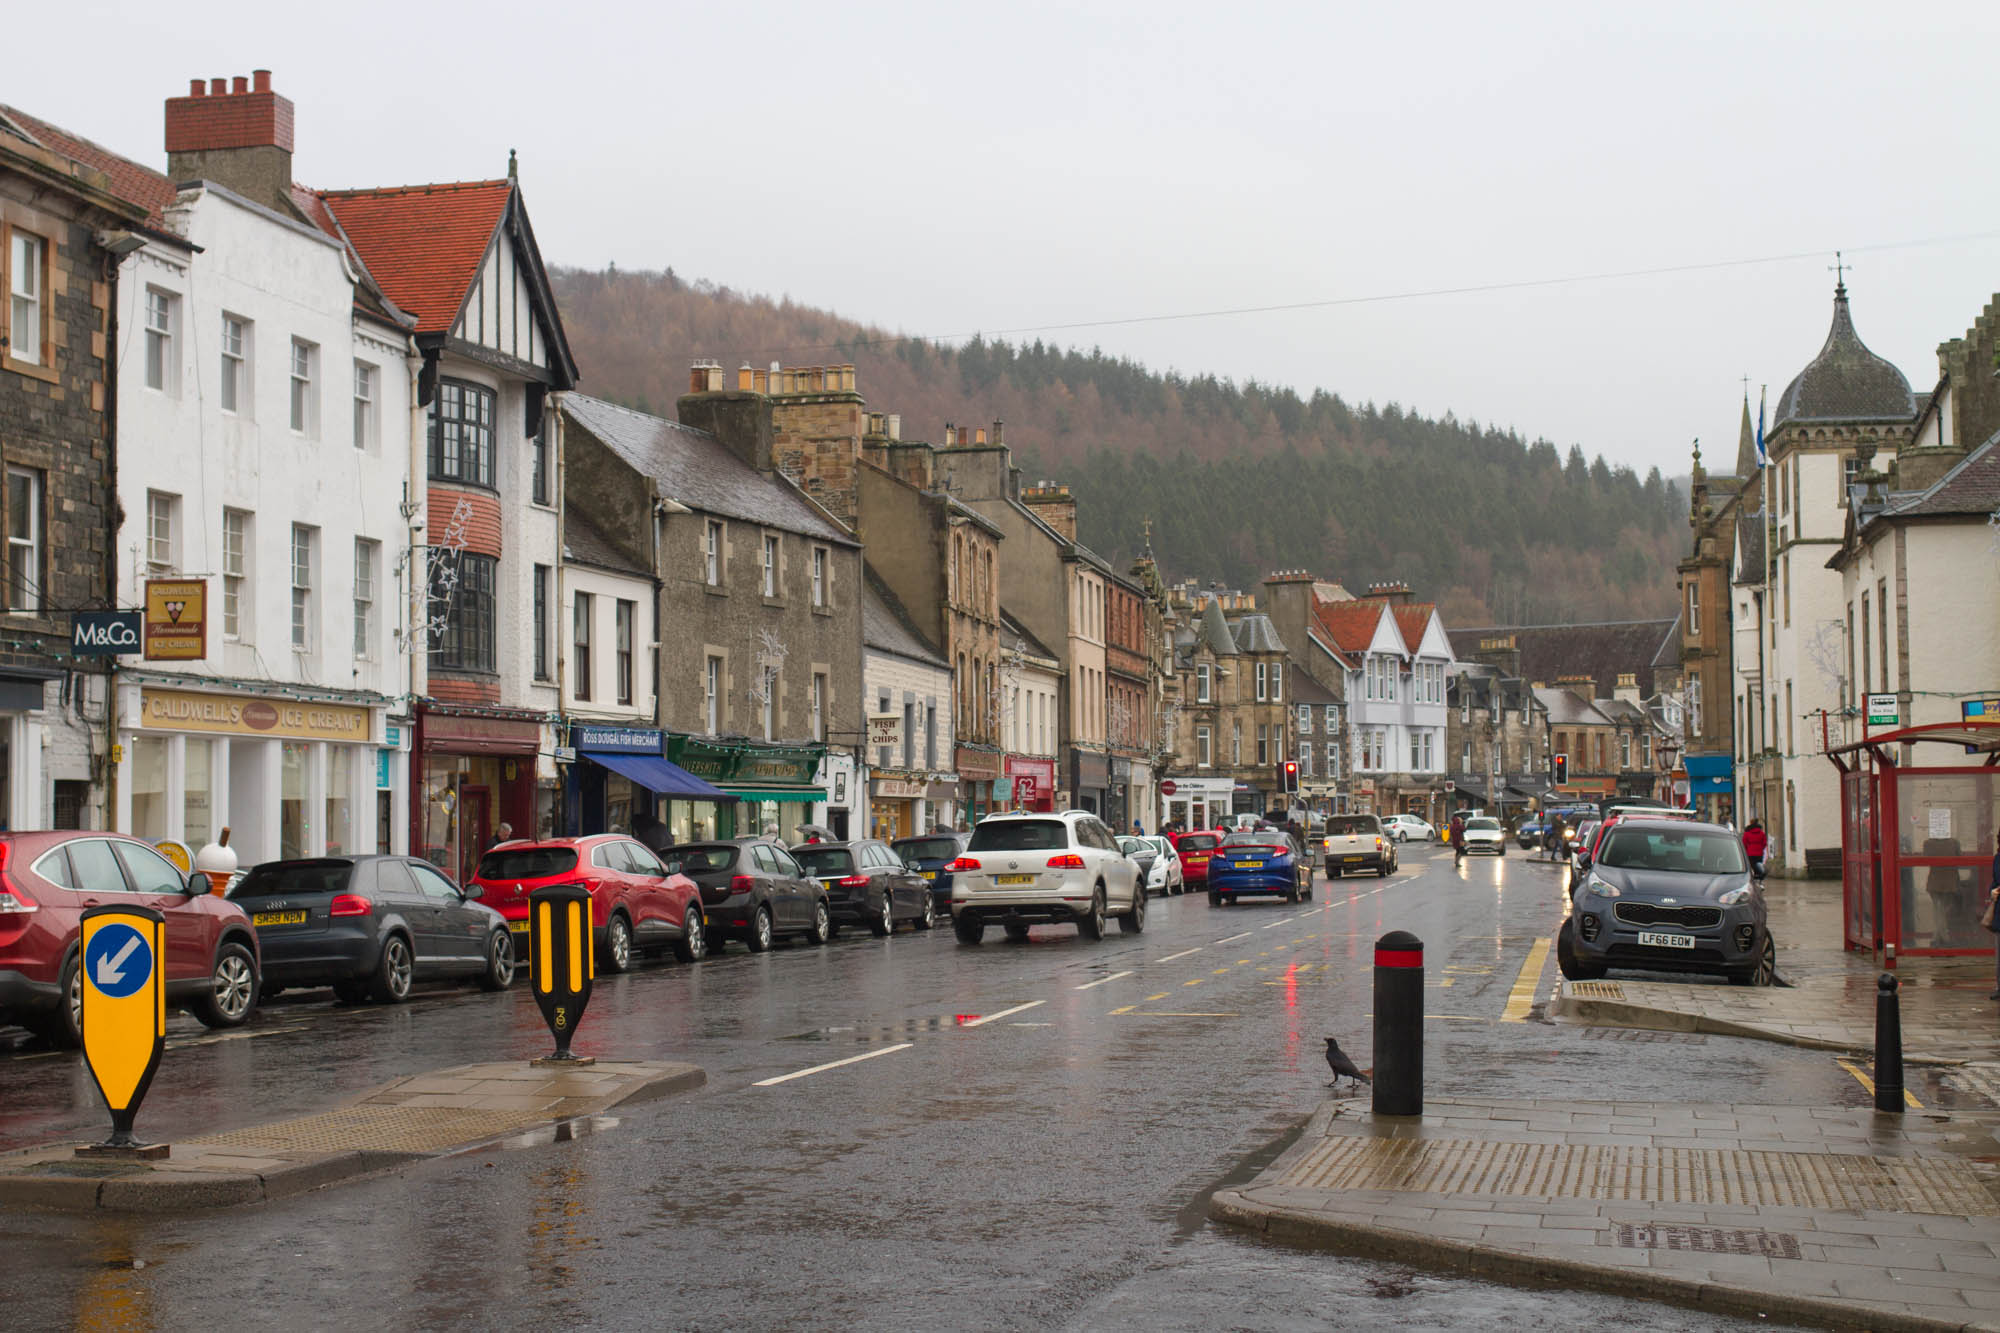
x=238 y=136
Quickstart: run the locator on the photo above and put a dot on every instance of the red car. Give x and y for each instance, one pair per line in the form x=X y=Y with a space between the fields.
x=1195 y=847
x=48 y=881
x=635 y=905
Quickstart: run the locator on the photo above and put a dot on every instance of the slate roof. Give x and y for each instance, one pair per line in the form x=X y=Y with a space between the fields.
x=1215 y=630
x=1567 y=708
x=1846 y=381
x=1256 y=634
x=886 y=625
x=1306 y=690
x=423 y=243
x=1603 y=651
x=585 y=543
x=696 y=469
x=142 y=185
x=1750 y=540
x=1971 y=487
x=1669 y=653
x=1012 y=629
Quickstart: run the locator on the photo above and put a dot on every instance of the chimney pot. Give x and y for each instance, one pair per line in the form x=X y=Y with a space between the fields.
x=217 y=87
x=895 y=425
x=197 y=87
x=260 y=80
x=745 y=377
x=979 y=435
x=697 y=377
x=239 y=84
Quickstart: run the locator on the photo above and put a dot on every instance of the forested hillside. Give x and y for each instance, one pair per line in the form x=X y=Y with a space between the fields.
x=1236 y=479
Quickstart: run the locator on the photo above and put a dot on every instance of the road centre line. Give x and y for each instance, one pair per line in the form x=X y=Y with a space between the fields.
x=1182 y=954
x=835 y=1064
x=1004 y=1013
x=1233 y=938
x=1521 y=998
x=1274 y=925
x=1089 y=985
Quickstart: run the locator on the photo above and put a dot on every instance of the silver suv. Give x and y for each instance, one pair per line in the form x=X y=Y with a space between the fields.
x=1022 y=870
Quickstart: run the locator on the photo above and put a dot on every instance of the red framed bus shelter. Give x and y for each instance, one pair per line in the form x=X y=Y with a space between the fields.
x=1916 y=840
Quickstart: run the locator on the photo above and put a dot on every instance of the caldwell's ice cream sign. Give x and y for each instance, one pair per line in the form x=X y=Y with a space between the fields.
x=182 y=710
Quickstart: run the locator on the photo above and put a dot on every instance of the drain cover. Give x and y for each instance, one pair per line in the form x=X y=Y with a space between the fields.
x=1646 y=1175
x=1644 y=1034
x=1708 y=1240
x=1594 y=990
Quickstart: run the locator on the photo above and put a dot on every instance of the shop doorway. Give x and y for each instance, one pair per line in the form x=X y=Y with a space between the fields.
x=475 y=827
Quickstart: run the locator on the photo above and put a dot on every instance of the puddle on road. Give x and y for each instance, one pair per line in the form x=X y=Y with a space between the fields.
x=890 y=1032
x=562 y=1131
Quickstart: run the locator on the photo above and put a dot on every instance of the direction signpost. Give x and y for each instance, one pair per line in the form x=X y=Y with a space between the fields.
x=563 y=963
x=124 y=1016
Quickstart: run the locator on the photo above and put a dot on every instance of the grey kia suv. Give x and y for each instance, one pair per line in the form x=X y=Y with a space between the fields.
x=1668 y=896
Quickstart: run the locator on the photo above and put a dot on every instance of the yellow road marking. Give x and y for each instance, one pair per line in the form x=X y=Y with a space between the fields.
x=1218 y=971
x=1195 y=982
x=1126 y=1010
x=1869 y=1083
x=1150 y=998
x=1522 y=997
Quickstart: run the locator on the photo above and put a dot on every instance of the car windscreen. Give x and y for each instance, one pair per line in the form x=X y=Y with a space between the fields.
x=1695 y=851
x=1481 y=822
x=527 y=862
x=294 y=877
x=1353 y=826
x=1198 y=842
x=701 y=859
x=824 y=860
x=1019 y=835
x=1132 y=846
x=926 y=849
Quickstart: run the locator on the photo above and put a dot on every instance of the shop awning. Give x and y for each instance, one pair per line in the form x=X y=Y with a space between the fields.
x=659 y=775
x=772 y=792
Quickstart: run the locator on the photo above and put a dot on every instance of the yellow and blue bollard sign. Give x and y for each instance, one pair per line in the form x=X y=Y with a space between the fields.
x=562 y=961
x=124 y=1016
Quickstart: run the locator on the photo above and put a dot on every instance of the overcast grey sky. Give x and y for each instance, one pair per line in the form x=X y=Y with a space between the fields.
x=937 y=169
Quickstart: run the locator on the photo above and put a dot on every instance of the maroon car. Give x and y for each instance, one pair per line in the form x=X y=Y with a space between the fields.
x=49 y=880
x=635 y=905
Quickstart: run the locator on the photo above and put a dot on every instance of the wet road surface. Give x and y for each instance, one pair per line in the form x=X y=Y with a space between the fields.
x=1008 y=1136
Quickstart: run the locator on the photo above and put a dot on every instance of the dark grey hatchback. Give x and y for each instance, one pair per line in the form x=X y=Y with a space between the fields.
x=371 y=927
x=1668 y=896
x=866 y=885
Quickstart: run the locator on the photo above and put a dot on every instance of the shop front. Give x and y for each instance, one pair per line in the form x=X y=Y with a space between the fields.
x=475 y=773
x=288 y=776
x=1197 y=803
x=1711 y=784
x=896 y=804
x=766 y=789
x=1118 y=796
x=978 y=771
x=1090 y=779
x=1033 y=783
x=840 y=815
x=620 y=781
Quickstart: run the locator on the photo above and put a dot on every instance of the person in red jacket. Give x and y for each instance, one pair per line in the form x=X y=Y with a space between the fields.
x=1755 y=843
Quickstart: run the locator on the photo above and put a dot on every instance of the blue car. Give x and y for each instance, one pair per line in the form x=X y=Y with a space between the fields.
x=1249 y=862
x=929 y=854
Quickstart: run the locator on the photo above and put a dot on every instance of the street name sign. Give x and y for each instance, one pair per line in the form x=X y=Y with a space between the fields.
x=124 y=1009
x=1882 y=710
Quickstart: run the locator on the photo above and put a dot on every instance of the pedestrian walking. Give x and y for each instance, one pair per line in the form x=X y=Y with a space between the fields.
x=1992 y=916
x=1458 y=836
x=1552 y=837
x=1756 y=843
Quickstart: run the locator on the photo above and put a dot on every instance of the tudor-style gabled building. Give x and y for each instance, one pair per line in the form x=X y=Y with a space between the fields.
x=485 y=501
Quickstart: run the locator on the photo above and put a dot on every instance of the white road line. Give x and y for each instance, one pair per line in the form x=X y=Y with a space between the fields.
x=820 y=1069
x=1089 y=985
x=1274 y=925
x=981 y=1022
x=1233 y=938
x=1182 y=954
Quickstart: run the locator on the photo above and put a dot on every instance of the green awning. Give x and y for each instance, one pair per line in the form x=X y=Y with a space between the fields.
x=771 y=792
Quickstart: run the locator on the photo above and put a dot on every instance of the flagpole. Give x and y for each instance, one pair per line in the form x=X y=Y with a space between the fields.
x=1764 y=574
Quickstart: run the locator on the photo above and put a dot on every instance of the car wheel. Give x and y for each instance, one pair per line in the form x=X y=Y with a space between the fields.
x=822 y=927
x=1572 y=968
x=692 y=946
x=969 y=928
x=391 y=983
x=231 y=996
x=62 y=1028
x=884 y=921
x=1134 y=921
x=499 y=970
x=617 y=945
x=1214 y=898
x=1766 y=971
x=929 y=918
x=350 y=992
x=1382 y=871
x=1091 y=924
x=760 y=931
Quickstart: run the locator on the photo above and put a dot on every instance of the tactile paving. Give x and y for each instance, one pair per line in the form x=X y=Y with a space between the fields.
x=1731 y=1176
x=414 y=1129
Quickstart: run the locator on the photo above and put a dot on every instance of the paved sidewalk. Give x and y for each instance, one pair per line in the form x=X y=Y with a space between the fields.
x=1830 y=1004
x=1824 y=1214
x=429 y=1115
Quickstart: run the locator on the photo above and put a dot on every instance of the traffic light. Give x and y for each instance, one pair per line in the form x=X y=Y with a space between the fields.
x=1562 y=769
x=1291 y=775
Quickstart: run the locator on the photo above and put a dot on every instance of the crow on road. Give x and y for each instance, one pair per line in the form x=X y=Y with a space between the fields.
x=1342 y=1067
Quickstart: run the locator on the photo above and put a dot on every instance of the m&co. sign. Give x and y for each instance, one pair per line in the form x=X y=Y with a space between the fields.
x=183 y=710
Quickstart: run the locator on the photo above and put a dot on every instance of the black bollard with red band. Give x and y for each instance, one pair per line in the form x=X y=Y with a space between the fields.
x=1399 y=1024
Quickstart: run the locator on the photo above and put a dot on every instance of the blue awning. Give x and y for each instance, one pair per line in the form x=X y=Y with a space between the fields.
x=658 y=775
x=1709 y=765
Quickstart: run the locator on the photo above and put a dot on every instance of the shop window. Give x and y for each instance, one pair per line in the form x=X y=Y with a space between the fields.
x=197 y=795
x=339 y=826
x=292 y=829
x=149 y=787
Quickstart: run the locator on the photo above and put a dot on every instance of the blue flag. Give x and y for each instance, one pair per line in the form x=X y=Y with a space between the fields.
x=1762 y=458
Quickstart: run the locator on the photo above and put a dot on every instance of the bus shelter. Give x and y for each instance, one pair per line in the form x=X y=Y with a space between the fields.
x=1919 y=807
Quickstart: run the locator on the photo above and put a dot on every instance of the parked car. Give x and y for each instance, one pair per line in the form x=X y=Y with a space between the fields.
x=1194 y=848
x=1668 y=895
x=928 y=854
x=1159 y=864
x=1021 y=870
x=867 y=884
x=1405 y=827
x=752 y=890
x=1483 y=833
x=1358 y=842
x=371 y=927
x=1529 y=831
x=637 y=905
x=49 y=879
x=1254 y=862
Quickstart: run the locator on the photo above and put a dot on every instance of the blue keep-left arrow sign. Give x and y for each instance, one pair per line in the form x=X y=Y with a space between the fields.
x=118 y=961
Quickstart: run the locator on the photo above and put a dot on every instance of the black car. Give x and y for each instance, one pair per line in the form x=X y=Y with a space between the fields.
x=928 y=854
x=371 y=927
x=867 y=885
x=752 y=890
